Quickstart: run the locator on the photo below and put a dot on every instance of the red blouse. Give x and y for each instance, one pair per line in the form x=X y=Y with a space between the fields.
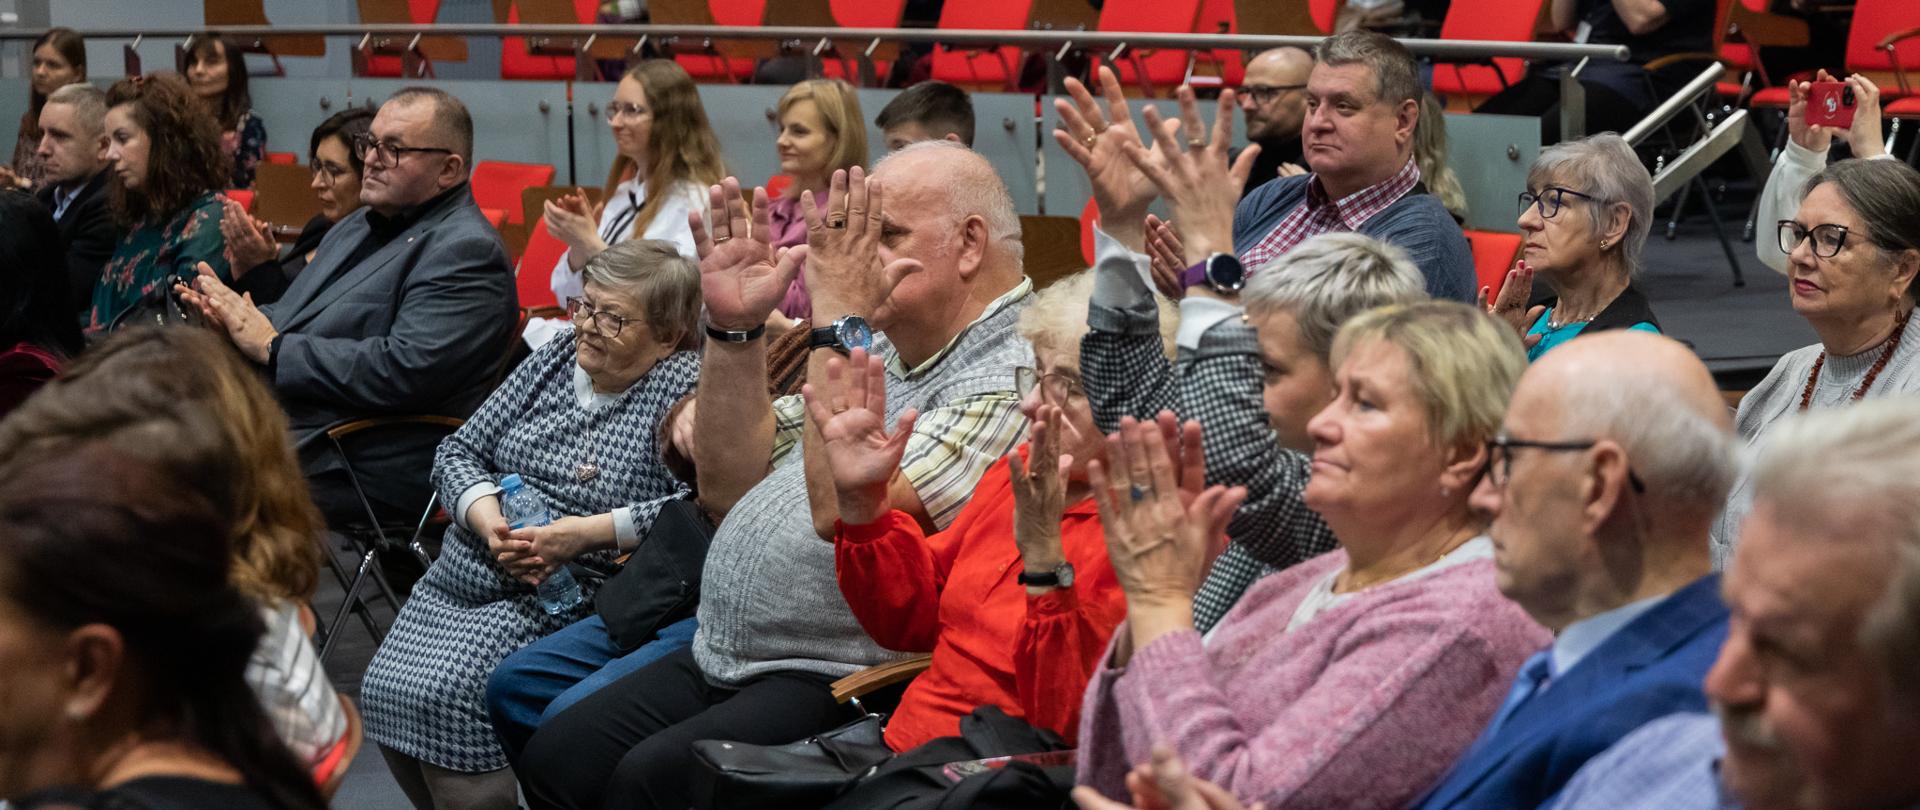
x=956 y=593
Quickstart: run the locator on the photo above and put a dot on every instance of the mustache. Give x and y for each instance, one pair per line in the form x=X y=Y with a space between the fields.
x=1747 y=728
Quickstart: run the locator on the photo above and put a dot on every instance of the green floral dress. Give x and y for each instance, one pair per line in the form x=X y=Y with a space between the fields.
x=155 y=254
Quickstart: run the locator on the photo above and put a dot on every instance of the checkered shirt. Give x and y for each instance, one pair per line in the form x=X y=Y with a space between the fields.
x=1320 y=215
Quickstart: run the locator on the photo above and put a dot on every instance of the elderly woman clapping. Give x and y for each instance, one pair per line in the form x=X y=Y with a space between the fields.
x=1854 y=253
x=1585 y=214
x=578 y=422
x=1349 y=680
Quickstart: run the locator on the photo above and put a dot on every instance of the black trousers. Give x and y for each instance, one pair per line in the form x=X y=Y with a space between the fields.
x=1607 y=110
x=628 y=745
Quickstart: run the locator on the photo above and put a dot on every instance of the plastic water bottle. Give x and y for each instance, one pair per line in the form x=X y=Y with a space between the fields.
x=559 y=592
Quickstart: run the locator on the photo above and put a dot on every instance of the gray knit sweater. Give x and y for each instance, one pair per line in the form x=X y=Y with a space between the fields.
x=1778 y=396
x=768 y=598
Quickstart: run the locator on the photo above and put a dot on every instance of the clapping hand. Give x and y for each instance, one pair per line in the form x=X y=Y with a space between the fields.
x=249 y=329
x=1510 y=307
x=1166 y=258
x=1197 y=181
x=845 y=271
x=742 y=278
x=249 y=240
x=1099 y=142
x=571 y=219
x=1163 y=525
x=852 y=419
x=1164 y=784
x=1040 y=491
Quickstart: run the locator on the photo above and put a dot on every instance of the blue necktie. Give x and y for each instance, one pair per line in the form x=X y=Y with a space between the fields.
x=1533 y=675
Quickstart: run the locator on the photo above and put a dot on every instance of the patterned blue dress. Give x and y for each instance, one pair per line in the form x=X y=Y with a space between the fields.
x=424 y=692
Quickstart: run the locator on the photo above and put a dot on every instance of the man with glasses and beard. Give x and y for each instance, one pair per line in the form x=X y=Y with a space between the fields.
x=1273 y=100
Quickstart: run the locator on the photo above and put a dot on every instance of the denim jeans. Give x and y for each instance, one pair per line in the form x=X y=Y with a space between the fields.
x=543 y=678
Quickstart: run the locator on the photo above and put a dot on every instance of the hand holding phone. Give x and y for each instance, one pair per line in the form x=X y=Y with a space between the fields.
x=1831 y=104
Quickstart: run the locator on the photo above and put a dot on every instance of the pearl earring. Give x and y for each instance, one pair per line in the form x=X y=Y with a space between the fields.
x=1603 y=244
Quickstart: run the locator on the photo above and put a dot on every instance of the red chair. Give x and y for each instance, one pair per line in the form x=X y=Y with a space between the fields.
x=517 y=63
x=532 y=277
x=1497 y=20
x=1089 y=217
x=1873 y=47
x=1493 y=255
x=1324 y=12
x=739 y=13
x=1164 y=68
x=497 y=217
x=497 y=185
x=243 y=196
x=777 y=185
x=421 y=11
x=285 y=158
x=974 y=66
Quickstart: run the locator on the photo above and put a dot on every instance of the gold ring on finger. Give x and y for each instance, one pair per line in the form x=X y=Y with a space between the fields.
x=837 y=222
x=1196 y=143
x=1088 y=141
x=719 y=239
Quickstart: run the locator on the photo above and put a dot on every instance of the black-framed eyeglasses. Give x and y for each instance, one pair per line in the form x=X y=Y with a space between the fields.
x=1266 y=93
x=606 y=323
x=1549 y=200
x=368 y=148
x=617 y=110
x=1055 y=387
x=1828 y=239
x=1499 y=469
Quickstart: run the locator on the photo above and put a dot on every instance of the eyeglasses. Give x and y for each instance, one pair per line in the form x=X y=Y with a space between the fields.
x=1828 y=239
x=617 y=110
x=367 y=148
x=606 y=323
x=1266 y=93
x=1549 y=200
x=1055 y=387
x=332 y=171
x=1499 y=469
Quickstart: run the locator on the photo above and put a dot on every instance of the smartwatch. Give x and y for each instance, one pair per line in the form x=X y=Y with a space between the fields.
x=1220 y=271
x=730 y=336
x=843 y=335
x=1060 y=576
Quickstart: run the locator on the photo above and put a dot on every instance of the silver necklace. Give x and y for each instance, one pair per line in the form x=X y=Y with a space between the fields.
x=1569 y=322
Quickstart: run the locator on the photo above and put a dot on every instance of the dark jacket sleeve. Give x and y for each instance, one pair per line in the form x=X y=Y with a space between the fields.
x=90 y=244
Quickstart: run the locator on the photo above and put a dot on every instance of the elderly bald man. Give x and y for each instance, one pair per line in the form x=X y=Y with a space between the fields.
x=1273 y=100
x=1612 y=463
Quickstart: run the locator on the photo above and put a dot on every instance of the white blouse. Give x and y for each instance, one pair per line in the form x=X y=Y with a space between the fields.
x=616 y=225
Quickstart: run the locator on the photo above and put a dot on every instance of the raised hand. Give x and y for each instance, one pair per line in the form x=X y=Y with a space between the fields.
x=852 y=419
x=742 y=278
x=1510 y=307
x=1166 y=258
x=1809 y=136
x=1098 y=141
x=1198 y=181
x=1164 y=784
x=845 y=271
x=1160 y=547
x=1040 y=491
x=249 y=241
x=571 y=220
x=1864 y=136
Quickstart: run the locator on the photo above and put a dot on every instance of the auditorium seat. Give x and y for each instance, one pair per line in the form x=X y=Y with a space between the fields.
x=1496 y=20
x=980 y=67
x=1089 y=217
x=730 y=61
x=1895 y=69
x=417 y=11
x=1493 y=256
x=497 y=184
x=517 y=63
x=283 y=158
x=534 y=274
x=864 y=14
x=243 y=196
x=1164 y=67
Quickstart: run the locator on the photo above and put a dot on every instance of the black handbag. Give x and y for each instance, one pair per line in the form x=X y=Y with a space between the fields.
x=159 y=306
x=809 y=773
x=660 y=584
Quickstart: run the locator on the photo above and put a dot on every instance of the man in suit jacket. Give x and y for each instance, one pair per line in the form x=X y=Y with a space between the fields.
x=1611 y=464
x=74 y=152
x=407 y=308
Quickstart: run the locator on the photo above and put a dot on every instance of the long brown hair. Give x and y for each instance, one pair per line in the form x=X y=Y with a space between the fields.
x=150 y=376
x=184 y=159
x=237 y=100
x=72 y=48
x=681 y=147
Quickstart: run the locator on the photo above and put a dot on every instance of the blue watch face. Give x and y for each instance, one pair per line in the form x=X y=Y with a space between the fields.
x=854 y=333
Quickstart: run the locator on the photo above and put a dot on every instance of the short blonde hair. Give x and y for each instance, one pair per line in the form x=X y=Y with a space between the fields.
x=1463 y=365
x=1326 y=280
x=839 y=106
x=1056 y=320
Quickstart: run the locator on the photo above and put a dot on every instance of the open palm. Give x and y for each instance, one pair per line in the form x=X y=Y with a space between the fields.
x=742 y=277
x=852 y=419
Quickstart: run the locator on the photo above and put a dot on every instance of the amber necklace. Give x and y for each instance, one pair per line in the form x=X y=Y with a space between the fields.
x=1893 y=342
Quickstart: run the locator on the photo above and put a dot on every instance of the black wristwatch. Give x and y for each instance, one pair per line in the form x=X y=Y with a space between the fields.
x=1220 y=271
x=1061 y=576
x=730 y=336
x=847 y=333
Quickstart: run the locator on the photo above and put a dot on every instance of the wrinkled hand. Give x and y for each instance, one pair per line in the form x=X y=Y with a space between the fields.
x=1197 y=181
x=845 y=272
x=742 y=278
x=571 y=220
x=249 y=240
x=1040 y=491
x=1808 y=136
x=1164 y=784
x=1162 y=529
x=1098 y=142
x=548 y=547
x=513 y=556
x=852 y=419
x=1510 y=307
x=250 y=330
x=1165 y=258
x=1864 y=136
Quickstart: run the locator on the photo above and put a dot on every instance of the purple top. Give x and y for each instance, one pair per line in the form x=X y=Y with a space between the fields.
x=1365 y=705
x=789 y=229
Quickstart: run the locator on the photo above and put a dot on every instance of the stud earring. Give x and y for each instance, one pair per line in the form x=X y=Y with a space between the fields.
x=1603 y=244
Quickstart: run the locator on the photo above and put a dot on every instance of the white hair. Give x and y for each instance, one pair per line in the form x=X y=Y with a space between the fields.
x=1687 y=461
x=1605 y=167
x=1325 y=280
x=972 y=188
x=1863 y=459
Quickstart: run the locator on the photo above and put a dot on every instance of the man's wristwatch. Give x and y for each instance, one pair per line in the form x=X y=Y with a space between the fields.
x=844 y=335
x=1220 y=271
x=1061 y=576
x=730 y=336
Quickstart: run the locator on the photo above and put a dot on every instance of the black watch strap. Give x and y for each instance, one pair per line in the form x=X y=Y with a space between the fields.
x=1042 y=579
x=726 y=336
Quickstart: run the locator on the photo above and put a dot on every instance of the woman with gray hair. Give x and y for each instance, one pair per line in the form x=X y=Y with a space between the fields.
x=1585 y=213
x=1854 y=252
x=578 y=422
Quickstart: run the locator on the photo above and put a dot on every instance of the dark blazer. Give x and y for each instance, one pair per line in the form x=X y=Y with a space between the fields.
x=89 y=234
x=1646 y=670
x=417 y=327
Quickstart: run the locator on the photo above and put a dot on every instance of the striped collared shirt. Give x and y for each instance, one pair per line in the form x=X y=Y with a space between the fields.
x=1319 y=214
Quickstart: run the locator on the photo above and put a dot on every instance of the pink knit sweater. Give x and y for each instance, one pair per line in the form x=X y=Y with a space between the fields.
x=1366 y=705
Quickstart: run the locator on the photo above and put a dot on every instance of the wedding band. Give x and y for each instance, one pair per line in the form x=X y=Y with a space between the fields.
x=837 y=222
x=1139 y=493
x=719 y=239
x=1196 y=143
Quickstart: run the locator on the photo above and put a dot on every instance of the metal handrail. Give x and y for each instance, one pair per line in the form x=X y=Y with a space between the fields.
x=1675 y=103
x=1443 y=49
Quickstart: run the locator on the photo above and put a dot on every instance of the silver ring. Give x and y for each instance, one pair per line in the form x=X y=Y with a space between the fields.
x=1138 y=492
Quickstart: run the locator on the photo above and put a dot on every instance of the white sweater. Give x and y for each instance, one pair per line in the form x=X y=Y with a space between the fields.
x=616 y=226
x=1781 y=198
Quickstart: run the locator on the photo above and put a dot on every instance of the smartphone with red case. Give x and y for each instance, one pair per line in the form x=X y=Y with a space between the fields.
x=1831 y=104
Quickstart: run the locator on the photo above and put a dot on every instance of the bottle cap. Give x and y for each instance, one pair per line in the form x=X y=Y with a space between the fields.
x=511 y=481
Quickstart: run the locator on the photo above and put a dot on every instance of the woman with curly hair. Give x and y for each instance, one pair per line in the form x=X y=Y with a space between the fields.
x=217 y=70
x=164 y=152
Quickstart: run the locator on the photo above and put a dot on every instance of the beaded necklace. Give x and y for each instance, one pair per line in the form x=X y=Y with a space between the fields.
x=1893 y=342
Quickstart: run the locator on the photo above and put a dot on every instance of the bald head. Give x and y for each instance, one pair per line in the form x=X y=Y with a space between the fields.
x=1285 y=62
x=1271 y=94
x=951 y=178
